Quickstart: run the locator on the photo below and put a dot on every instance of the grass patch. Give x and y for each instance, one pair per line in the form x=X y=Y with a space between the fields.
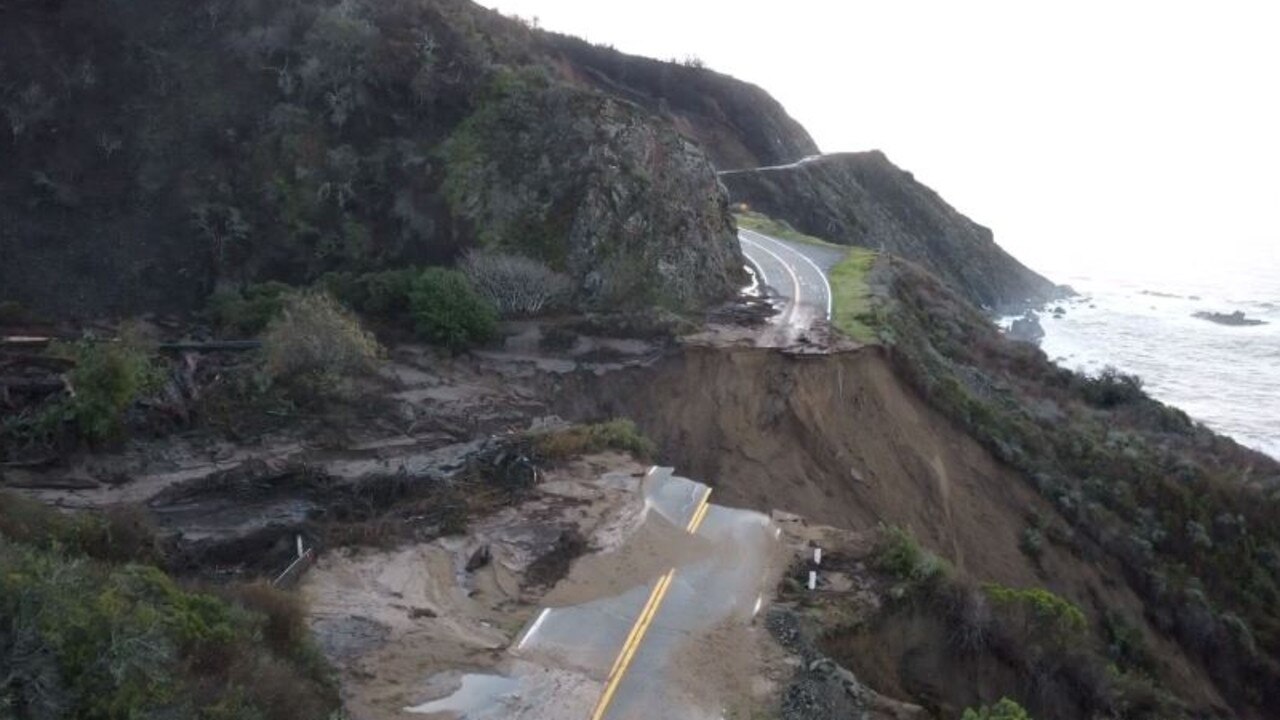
x=851 y=305
x=616 y=434
x=761 y=223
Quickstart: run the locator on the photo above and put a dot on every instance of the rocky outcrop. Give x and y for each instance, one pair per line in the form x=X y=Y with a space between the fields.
x=863 y=199
x=1233 y=319
x=739 y=124
x=1027 y=329
x=593 y=186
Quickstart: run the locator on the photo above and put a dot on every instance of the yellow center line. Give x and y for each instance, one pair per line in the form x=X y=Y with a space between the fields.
x=653 y=598
x=647 y=614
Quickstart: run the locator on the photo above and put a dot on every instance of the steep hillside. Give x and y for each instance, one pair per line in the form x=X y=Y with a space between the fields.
x=1016 y=473
x=157 y=150
x=739 y=124
x=863 y=199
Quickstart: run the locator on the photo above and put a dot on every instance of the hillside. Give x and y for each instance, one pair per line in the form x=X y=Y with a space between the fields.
x=863 y=199
x=737 y=123
x=157 y=151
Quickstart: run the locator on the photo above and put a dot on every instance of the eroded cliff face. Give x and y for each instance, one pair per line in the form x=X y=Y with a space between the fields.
x=863 y=199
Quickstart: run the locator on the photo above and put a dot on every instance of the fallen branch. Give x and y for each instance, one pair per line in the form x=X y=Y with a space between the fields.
x=212 y=346
x=24 y=341
x=32 y=386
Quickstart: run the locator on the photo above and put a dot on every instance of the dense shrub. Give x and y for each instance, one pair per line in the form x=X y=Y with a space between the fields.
x=1040 y=612
x=514 y=284
x=107 y=379
x=617 y=434
x=316 y=342
x=1110 y=388
x=118 y=534
x=447 y=311
x=249 y=311
x=382 y=294
x=899 y=555
x=1006 y=709
x=86 y=640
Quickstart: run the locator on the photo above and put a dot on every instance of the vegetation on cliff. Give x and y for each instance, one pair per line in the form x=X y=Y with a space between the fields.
x=160 y=151
x=93 y=631
x=1190 y=518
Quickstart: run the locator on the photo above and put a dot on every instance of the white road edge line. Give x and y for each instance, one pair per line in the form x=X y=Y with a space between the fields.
x=763 y=278
x=534 y=627
x=805 y=258
x=795 y=280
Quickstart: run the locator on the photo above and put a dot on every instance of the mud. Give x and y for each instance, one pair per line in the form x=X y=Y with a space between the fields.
x=393 y=619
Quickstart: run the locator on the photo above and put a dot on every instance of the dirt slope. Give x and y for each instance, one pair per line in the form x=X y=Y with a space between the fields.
x=842 y=441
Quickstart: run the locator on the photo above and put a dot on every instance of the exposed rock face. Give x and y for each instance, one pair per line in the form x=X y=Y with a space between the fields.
x=739 y=124
x=863 y=199
x=592 y=185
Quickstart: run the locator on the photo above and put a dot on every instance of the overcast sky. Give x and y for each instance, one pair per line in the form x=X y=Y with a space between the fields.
x=1133 y=128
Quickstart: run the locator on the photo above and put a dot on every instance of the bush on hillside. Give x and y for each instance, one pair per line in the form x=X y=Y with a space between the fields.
x=448 y=312
x=121 y=533
x=515 y=285
x=899 y=555
x=248 y=312
x=317 y=342
x=1006 y=709
x=107 y=379
x=83 y=639
x=1110 y=388
x=381 y=294
x=617 y=434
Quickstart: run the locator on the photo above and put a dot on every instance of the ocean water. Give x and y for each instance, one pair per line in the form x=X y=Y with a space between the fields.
x=1137 y=316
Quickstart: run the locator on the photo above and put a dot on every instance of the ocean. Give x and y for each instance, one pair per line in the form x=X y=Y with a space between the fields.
x=1137 y=315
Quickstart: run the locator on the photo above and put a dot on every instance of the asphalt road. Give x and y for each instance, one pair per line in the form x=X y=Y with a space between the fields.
x=651 y=651
x=796 y=275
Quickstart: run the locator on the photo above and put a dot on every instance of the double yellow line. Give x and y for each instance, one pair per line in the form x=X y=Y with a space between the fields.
x=641 y=626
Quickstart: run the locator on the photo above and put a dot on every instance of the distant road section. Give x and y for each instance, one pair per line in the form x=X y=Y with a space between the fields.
x=796 y=273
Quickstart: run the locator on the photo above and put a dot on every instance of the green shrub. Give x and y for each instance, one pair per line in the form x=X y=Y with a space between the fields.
x=315 y=343
x=1042 y=613
x=382 y=294
x=121 y=533
x=447 y=311
x=248 y=312
x=1031 y=543
x=1006 y=709
x=617 y=434
x=107 y=379
x=83 y=639
x=899 y=555
x=1110 y=388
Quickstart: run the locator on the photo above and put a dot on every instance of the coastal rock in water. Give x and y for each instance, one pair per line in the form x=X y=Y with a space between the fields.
x=1027 y=329
x=1236 y=319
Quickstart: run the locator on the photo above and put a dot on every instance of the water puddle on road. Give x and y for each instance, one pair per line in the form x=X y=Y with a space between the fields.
x=478 y=692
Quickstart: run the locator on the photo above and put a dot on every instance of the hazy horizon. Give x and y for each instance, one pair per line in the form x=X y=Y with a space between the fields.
x=1145 y=131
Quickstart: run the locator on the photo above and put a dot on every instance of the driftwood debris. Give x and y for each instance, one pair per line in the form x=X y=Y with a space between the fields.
x=211 y=346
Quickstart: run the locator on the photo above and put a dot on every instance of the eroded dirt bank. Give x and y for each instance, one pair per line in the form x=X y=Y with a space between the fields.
x=842 y=441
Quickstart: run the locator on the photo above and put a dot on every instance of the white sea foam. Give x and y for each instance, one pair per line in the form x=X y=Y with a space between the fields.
x=1141 y=322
